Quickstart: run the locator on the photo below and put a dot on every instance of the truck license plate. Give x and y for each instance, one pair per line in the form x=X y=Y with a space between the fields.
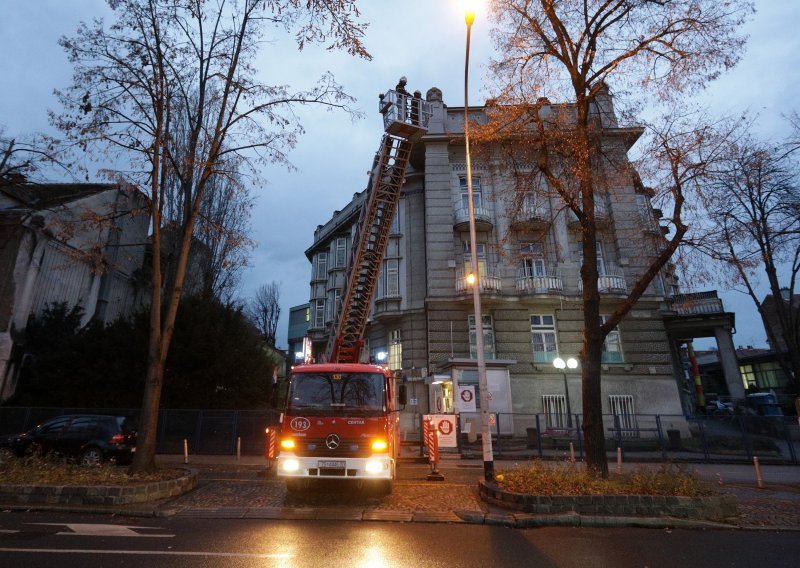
x=331 y=464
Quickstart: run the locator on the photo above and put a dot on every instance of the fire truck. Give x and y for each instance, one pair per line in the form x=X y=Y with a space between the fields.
x=341 y=417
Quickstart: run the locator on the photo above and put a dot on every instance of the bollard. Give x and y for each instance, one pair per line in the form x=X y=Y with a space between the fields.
x=571 y=453
x=619 y=460
x=759 y=481
x=185 y=450
x=238 y=448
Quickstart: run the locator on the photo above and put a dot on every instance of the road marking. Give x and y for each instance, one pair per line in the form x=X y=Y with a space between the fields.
x=88 y=529
x=277 y=556
x=6 y=531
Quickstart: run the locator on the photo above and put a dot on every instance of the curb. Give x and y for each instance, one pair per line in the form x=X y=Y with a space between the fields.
x=514 y=521
x=97 y=495
x=713 y=508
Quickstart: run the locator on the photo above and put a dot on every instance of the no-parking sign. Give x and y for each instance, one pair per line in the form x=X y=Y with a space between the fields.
x=445 y=426
x=466 y=399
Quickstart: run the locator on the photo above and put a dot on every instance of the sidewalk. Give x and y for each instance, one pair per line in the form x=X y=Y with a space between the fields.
x=244 y=487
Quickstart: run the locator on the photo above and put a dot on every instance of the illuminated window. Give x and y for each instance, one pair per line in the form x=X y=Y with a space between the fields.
x=395 y=350
x=480 y=249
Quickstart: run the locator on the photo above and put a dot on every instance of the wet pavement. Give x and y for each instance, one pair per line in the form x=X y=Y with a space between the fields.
x=246 y=488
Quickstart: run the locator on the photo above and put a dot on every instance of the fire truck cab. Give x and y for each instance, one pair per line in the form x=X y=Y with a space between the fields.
x=341 y=421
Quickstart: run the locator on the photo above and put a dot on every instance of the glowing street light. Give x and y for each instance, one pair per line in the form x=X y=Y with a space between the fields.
x=486 y=434
x=562 y=365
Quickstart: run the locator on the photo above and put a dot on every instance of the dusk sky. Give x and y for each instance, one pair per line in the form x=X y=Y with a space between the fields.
x=421 y=39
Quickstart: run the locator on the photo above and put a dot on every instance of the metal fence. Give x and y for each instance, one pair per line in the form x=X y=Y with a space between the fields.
x=640 y=437
x=206 y=431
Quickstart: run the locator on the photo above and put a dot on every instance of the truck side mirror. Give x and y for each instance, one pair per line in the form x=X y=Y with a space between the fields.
x=402 y=395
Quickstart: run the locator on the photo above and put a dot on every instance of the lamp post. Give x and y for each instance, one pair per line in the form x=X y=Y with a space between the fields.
x=572 y=363
x=486 y=434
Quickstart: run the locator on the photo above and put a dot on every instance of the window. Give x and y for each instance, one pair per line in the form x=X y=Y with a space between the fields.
x=319 y=313
x=340 y=252
x=396 y=223
x=601 y=264
x=308 y=314
x=321 y=268
x=624 y=414
x=480 y=249
x=543 y=332
x=395 y=350
x=488 y=338
x=646 y=213
x=748 y=376
x=555 y=411
x=389 y=279
x=477 y=200
x=532 y=259
x=533 y=204
x=612 y=346
x=770 y=375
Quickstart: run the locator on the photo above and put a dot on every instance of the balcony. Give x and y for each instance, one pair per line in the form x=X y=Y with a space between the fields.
x=548 y=283
x=489 y=282
x=611 y=280
x=602 y=218
x=483 y=220
x=697 y=303
x=531 y=217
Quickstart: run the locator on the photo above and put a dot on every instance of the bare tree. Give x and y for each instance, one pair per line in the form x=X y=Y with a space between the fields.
x=754 y=207
x=575 y=52
x=265 y=310
x=170 y=70
x=22 y=158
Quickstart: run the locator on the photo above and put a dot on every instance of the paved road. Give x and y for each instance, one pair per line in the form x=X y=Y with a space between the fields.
x=46 y=540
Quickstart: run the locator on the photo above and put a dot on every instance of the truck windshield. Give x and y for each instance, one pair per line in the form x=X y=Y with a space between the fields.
x=337 y=393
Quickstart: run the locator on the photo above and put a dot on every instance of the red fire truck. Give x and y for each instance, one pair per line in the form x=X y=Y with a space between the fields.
x=341 y=418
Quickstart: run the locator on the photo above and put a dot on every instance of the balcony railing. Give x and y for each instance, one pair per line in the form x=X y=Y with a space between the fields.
x=531 y=215
x=488 y=282
x=483 y=220
x=546 y=283
x=611 y=280
x=696 y=303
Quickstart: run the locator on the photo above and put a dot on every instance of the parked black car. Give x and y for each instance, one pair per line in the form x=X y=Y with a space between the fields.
x=91 y=438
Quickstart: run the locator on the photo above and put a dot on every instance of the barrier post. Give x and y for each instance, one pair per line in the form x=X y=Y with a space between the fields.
x=185 y=450
x=432 y=442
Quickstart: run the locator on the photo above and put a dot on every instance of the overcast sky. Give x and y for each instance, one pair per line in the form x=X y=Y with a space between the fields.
x=422 y=39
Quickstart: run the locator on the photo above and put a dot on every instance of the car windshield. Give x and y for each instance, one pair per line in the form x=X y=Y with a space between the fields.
x=337 y=393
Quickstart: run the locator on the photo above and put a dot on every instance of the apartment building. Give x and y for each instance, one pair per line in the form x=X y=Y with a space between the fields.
x=528 y=250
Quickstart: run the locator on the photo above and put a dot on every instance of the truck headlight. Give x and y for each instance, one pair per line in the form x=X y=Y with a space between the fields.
x=374 y=466
x=290 y=465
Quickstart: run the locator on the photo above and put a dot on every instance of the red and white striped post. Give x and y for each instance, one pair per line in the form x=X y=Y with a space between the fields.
x=430 y=435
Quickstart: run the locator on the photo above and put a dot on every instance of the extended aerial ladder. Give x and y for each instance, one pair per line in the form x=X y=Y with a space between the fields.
x=405 y=119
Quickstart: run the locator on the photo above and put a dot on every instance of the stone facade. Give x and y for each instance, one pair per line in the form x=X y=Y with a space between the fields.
x=531 y=294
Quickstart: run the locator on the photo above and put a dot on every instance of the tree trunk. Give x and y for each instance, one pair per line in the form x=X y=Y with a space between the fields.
x=144 y=461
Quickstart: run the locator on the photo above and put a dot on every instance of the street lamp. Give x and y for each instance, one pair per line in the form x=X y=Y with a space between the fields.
x=572 y=363
x=483 y=388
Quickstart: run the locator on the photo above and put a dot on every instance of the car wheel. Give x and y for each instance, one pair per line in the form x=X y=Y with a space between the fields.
x=91 y=457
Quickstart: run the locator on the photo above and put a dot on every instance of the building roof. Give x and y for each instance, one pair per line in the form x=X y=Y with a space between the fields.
x=46 y=195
